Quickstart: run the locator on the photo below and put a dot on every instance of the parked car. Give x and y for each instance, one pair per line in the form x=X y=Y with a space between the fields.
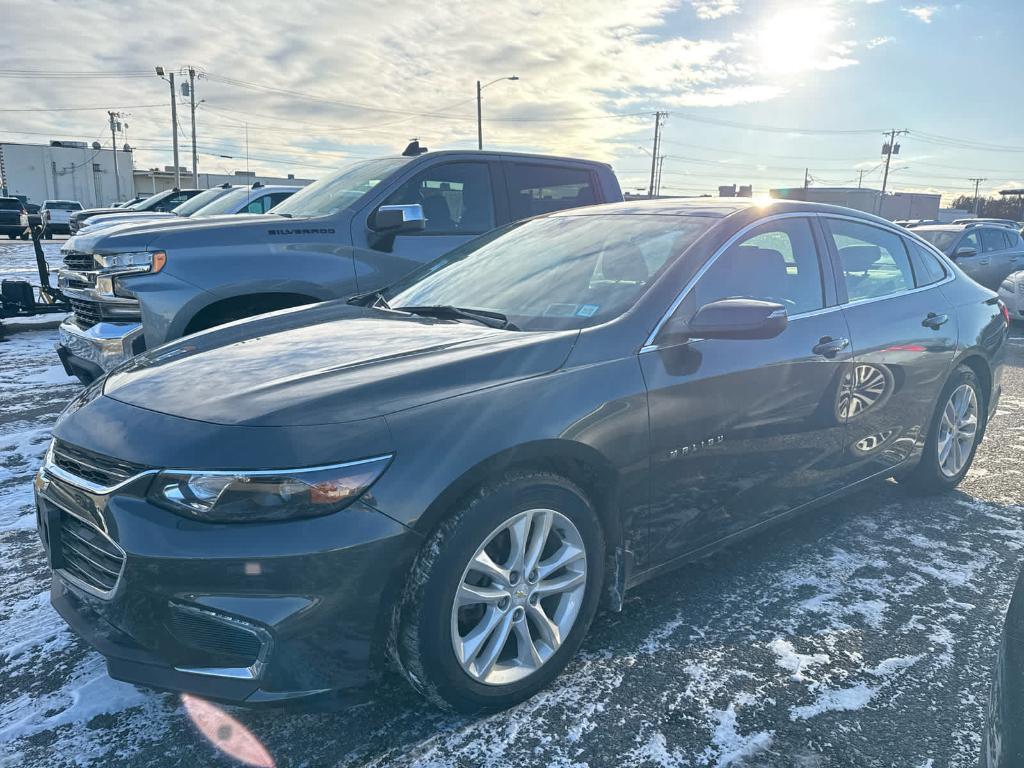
x=999 y=222
x=453 y=471
x=219 y=201
x=1003 y=738
x=161 y=201
x=12 y=211
x=134 y=288
x=133 y=201
x=56 y=216
x=986 y=252
x=1011 y=292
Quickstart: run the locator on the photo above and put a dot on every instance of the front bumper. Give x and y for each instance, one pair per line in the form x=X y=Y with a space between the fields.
x=90 y=352
x=252 y=614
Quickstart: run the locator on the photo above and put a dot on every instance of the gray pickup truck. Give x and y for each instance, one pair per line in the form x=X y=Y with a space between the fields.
x=134 y=287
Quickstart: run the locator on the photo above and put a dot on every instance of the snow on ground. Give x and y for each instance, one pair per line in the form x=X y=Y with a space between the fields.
x=862 y=634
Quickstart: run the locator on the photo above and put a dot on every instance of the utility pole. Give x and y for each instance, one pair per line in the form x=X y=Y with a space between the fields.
x=860 y=178
x=174 y=132
x=807 y=177
x=659 y=117
x=479 y=118
x=113 y=145
x=977 y=200
x=889 y=149
x=657 y=180
x=192 y=103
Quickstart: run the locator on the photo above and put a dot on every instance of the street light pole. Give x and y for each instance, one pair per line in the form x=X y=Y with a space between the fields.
x=192 y=102
x=479 y=108
x=174 y=123
x=113 y=146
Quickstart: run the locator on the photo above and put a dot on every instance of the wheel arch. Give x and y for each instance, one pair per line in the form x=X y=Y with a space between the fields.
x=978 y=363
x=248 y=304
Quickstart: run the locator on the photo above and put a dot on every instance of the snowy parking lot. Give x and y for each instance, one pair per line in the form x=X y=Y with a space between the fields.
x=861 y=634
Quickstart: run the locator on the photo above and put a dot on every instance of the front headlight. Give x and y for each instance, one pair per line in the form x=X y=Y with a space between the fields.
x=242 y=497
x=136 y=261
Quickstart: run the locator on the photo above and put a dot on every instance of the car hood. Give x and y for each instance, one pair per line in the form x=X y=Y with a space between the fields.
x=329 y=363
x=187 y=232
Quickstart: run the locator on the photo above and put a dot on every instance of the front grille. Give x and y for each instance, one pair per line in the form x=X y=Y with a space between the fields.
x=88 y=555
x=97 y=469
x=87 y=313
x=78 y=261
x=224 y=641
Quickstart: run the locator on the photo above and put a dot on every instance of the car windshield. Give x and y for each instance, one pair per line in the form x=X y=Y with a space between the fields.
x=193 y=204
x=341 y=189
x=943 y=239
x=145 y=204
x=62 y=205
x=554 y=273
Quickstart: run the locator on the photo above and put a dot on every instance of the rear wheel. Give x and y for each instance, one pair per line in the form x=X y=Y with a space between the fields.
x=502 y=594
x=956 y=430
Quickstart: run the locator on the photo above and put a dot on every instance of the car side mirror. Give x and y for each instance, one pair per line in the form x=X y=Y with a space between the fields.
x=965 y=250
x=395 y=219
x=732 y=319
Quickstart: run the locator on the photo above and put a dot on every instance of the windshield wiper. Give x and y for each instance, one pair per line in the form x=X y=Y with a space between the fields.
x=447 y=311
x=369 y=299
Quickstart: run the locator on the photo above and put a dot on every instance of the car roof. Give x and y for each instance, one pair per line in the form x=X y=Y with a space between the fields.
x=496 y=153
x=719 y=208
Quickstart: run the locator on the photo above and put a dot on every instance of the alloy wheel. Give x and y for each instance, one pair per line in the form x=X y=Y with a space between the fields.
x=958 y=430
x=518 y=597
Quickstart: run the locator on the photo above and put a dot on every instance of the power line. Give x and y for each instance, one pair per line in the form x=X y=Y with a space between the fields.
x=82 y=109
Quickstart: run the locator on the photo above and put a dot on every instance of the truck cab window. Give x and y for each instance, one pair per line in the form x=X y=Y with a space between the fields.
x=456 y=198
x=537 y=189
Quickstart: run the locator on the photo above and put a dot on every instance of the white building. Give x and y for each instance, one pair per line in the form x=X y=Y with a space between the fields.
x=149 y=182
x=895 y=205
x=70 y=170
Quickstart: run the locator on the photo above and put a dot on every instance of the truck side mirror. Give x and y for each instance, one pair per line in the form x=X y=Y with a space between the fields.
x=395 y=219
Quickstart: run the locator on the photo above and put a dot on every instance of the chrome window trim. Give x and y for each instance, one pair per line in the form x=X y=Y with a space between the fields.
x=649 y=344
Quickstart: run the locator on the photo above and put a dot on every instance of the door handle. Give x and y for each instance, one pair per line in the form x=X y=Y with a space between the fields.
x=983 y=261
x=935 y=321
x=829 y=347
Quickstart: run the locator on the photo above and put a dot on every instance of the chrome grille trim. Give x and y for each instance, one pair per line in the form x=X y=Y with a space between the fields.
x=52 y=467
x=76 y=562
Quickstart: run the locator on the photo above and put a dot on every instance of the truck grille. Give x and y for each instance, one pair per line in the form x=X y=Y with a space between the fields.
x=87 y=313
x=99 y=470
x=79 y=262
x=87 y=555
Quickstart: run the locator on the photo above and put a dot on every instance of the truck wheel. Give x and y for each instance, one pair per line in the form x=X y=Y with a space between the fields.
x=11 y=237
x=502 y=594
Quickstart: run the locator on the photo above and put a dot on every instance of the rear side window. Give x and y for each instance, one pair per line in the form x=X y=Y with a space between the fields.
x=1010 y=237
x=927 y=268
x=992 y=240
x=537 y=189
x=873 y=261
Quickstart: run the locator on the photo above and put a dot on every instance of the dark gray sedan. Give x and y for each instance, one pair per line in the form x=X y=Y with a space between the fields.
x=449 y=475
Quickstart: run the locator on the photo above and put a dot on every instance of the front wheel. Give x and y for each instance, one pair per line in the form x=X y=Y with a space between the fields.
x=956 y=430
x=502 y=594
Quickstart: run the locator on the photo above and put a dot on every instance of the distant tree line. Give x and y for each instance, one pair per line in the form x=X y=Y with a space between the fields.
x=991 y=207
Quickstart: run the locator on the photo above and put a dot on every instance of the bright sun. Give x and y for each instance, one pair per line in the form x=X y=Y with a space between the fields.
x=794 y=40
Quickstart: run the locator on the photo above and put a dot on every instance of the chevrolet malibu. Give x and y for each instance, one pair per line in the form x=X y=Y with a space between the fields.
x=451 y=475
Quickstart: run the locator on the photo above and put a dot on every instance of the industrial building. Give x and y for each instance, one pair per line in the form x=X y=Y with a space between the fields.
x=66 y=170
x=892 y=206
x=149 y=182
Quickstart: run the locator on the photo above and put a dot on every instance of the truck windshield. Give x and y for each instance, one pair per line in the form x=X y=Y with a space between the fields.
x=193 y=204
x=340 y=189
x=149 y=202
x=558 y=272
x=229 y=203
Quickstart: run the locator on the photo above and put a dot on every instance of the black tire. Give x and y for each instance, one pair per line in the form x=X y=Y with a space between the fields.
x=46 y=235
x=423 y=638
x=927 y=478
x=24 y=235
x=11 y=237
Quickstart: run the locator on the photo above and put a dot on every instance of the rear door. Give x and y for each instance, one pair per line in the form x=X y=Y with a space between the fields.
x=995 y=246
x=743 y=430
x=536 y=187
x=904 y=334
x=976 y=265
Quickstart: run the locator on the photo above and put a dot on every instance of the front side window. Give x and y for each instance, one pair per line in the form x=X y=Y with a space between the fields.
x=970 y=240
x=259 y=205
x=456 y=198
x=555 y=272
x=537 y=189
x=777 y=261
x=873 y=261
x=992 y=240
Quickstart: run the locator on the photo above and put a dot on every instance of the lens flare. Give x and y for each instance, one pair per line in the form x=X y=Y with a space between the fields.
x=225 y=733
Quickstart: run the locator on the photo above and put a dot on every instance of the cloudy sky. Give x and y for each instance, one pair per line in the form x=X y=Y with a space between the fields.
x=755 y=90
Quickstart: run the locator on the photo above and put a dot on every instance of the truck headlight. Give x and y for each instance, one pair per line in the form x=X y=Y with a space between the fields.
x=260 y=496
x=135 y=261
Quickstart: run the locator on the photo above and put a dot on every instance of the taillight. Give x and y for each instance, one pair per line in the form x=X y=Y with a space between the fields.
x=1006 y=312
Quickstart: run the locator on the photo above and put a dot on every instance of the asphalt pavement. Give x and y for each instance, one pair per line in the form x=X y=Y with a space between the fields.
x=860 y=634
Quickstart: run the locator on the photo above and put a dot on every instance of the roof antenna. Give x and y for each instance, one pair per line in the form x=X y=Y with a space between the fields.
x=414 y=149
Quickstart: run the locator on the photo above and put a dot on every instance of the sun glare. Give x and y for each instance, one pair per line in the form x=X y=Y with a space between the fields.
x=795 y=40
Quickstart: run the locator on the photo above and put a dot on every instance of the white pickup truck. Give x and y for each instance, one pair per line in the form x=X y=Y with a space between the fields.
x=55 y=216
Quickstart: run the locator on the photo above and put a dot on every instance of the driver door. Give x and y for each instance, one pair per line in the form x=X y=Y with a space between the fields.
x=743 y=430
